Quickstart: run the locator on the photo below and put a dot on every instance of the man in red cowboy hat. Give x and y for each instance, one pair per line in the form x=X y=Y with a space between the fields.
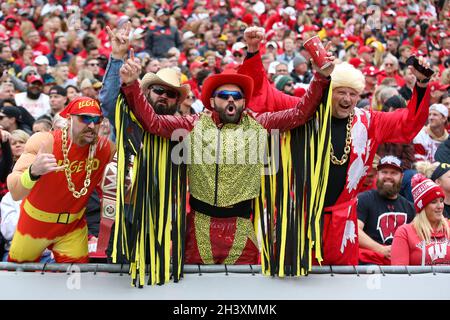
x=219 y=229
x=65 y=165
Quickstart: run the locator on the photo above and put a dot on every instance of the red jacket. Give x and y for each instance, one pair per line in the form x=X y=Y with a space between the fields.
x=267 y=98
x=165 y=125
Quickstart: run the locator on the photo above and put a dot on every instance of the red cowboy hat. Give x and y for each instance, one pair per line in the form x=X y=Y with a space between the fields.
x=227 y=77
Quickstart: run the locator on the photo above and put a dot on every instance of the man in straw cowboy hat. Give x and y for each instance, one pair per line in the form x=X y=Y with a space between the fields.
x=165 y=93
x=66 y=165
x=355 y=137
x=111 y=83
x=219 y=230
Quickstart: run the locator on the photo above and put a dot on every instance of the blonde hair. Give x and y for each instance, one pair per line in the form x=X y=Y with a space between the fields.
x=424 y=229
x=445 y=78
x=426 y=168
x=20 y=135
x=345 y=75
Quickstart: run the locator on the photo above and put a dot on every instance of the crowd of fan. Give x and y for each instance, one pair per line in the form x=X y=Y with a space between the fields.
x=54 y=51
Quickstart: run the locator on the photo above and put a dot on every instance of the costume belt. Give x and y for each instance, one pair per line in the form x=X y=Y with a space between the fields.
x=51 y=217
x=241 y=209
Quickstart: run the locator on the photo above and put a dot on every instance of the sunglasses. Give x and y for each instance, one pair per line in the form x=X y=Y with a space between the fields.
x=290 y=84
x=169 y=93
x=226 y=94
x=87 y=119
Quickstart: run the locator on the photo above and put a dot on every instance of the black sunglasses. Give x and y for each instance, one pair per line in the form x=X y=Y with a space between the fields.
x=87 y=119
x=161 y=90
x=226 y=94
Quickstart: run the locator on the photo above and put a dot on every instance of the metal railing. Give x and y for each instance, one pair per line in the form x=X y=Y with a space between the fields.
x=224 y=269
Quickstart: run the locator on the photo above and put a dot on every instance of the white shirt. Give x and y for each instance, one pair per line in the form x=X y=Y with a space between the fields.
x=10 y=211
x=37 y=107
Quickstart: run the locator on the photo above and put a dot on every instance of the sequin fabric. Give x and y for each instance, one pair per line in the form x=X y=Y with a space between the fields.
x=240 y=161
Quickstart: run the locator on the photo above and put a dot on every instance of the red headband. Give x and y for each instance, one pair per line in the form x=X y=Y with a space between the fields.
x=82 y=105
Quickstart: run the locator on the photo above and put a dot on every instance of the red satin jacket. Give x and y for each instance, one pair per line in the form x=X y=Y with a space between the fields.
x=165 y=125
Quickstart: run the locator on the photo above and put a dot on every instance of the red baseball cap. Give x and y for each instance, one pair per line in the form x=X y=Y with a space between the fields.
x=437 y=86
x=355 y=62
x=197 y=64
x=82 y=105
x=370 y=71
x=365 y=49
x=35 y=78
x=392 y=34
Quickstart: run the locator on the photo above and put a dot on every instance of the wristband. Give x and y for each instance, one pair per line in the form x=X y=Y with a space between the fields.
x=26 y=180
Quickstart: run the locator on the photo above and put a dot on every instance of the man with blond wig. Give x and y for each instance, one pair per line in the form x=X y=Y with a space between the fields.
x=355 y=137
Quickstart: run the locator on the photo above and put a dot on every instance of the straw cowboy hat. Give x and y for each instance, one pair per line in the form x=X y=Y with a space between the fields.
x=167 y=77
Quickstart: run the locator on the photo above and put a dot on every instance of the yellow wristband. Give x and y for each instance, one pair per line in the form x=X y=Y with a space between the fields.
x=26 y=179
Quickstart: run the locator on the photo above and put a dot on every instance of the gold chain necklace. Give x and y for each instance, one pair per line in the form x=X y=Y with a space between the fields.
x=66 y=163
x=348 y=141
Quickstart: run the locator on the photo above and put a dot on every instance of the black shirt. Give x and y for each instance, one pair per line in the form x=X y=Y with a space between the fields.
x=447 y=210
x=382 y=216
x=338 y=174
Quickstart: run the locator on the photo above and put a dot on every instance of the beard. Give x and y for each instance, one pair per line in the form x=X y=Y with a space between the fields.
x=388 y=191
x=162 y=106
x=89 y=140
x=33 y=94
x=225 y=117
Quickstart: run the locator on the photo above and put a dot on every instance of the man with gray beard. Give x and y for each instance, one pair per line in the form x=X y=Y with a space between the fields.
x=381 y=212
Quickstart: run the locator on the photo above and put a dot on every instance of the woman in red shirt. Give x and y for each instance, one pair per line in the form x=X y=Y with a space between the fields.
x=425 y=241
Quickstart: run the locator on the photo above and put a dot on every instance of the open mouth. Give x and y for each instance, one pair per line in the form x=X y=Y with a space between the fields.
x=345 y=106
x=231 y=110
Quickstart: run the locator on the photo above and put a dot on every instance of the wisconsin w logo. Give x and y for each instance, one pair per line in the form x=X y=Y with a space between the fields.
x=389 y=222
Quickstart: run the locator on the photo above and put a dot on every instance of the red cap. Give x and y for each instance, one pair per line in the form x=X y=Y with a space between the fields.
x=365 y=49
x=418 y=40
x=334 y=33
x=82 y=105
x=411 y=31
x=328 y=24
x=35 y=78
x=444 y=53
x=424 y=191
x=197 y=64
x=370 y=71
x=392 y=34
x=437 y=86
x=355 y=62
x=433 y=28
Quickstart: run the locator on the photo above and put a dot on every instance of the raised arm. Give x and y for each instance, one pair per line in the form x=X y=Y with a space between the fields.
x=111 y=81
x=265 y=96
x=401 y=126
x=161 y=125
x=300 y=114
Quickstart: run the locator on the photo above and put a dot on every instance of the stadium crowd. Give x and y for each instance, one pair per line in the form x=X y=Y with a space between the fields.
x=53 y=53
